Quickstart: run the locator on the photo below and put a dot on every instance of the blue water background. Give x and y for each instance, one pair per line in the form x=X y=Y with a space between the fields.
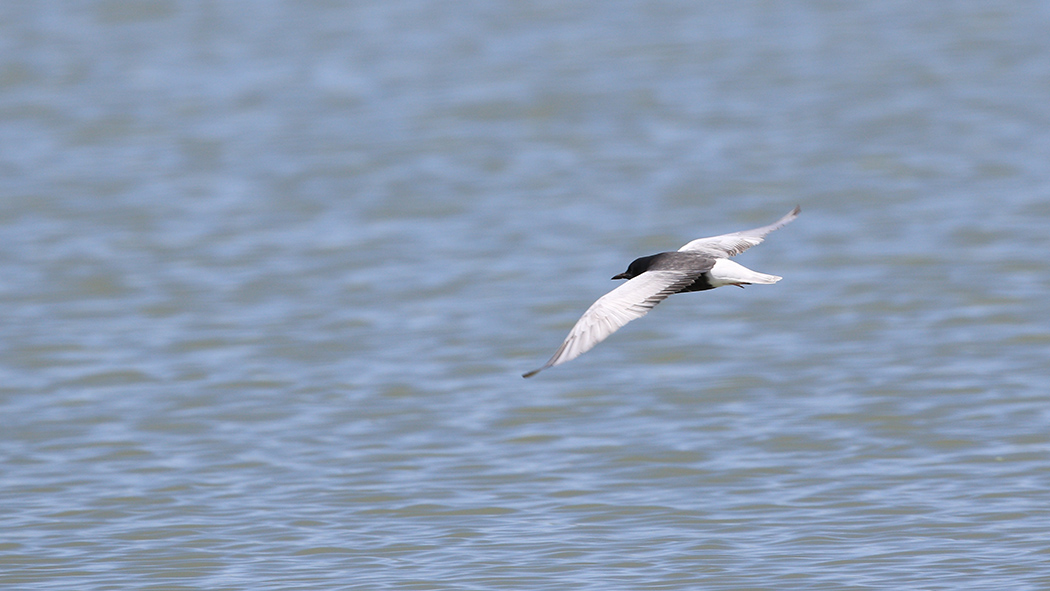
x=270 y=273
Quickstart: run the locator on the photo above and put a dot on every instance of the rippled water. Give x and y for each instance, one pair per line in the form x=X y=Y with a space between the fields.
x=271 y=273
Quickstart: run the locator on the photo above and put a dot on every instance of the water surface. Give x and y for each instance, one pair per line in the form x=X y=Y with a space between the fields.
x=271 y=273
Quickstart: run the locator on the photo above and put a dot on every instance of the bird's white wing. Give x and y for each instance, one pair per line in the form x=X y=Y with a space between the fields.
x=728 y=245
x=627 y=302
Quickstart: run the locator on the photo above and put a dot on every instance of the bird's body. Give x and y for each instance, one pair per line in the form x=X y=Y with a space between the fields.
x=699 y=265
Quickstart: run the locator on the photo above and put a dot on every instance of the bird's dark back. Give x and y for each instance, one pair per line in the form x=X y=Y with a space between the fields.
x=686 y=262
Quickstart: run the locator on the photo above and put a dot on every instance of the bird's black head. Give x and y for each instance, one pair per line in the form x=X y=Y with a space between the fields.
x=637 y=267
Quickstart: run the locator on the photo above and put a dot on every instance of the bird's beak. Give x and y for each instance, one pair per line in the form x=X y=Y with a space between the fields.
x=621 y=276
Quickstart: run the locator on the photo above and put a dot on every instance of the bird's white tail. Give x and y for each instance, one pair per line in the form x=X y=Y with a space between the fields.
x=726 y=272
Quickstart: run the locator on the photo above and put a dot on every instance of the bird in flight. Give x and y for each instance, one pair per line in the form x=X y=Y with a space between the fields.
x=701 y=264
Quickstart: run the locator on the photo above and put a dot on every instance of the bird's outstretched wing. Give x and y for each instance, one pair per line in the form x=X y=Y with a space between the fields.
x=728 y=245
x=627 y=302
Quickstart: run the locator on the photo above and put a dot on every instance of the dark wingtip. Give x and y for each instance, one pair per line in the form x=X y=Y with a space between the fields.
x=531 y=373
